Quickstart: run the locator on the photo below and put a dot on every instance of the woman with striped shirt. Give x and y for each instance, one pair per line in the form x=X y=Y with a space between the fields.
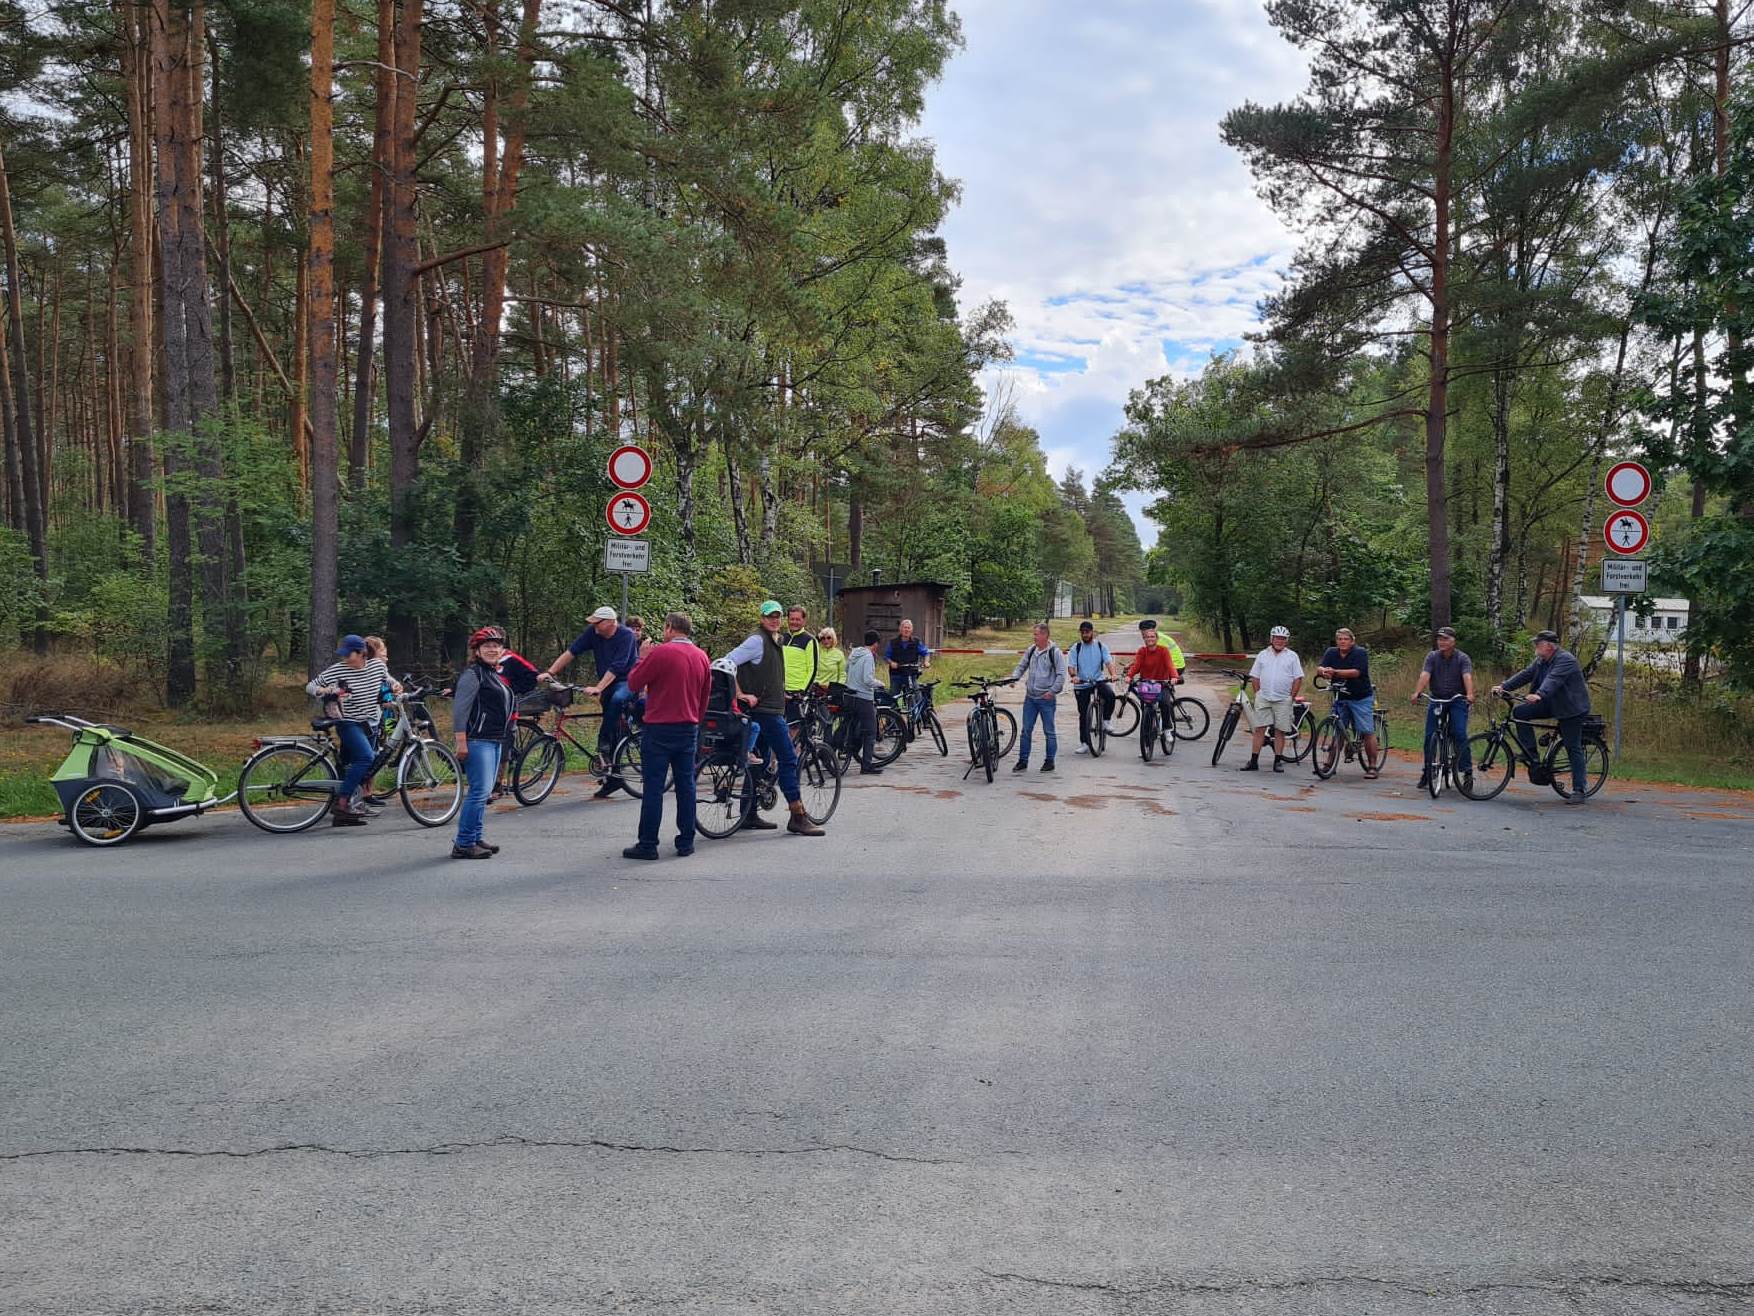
x=354 y=684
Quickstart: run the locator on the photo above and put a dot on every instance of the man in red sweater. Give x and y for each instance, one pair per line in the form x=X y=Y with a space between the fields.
x=675 y=676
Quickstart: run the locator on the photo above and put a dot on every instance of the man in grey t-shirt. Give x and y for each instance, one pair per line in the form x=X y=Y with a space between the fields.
x=1448 y=672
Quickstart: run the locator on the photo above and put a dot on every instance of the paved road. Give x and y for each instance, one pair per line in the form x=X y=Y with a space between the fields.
x=1128 y=1039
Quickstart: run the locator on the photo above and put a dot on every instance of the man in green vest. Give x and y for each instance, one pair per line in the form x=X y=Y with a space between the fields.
x=803 y=660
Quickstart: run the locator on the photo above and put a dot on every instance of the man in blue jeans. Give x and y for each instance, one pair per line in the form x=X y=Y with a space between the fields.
x=1448 y=672
x=1043 y=669
x=759 y=664
x=675 y=676
x=1557 y=691
x=615 y=649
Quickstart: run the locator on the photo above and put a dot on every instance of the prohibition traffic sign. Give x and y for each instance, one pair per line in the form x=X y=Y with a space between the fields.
x=1628 y=484
x=630 y=467
x=1626 y=531
x=629 y=513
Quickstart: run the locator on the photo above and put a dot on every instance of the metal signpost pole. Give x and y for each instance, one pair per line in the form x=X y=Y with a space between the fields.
x=623 y=576
x=1619 y=671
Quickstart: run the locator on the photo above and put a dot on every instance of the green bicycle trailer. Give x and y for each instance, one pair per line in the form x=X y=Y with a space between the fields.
x=113 y=782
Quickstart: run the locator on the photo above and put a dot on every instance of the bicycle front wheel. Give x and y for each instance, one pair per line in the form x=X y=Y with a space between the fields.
x=1329 y=741
x=1126 y=716
x=1004 y=732
x=1595 y=766
x=1438 y=755
x=818 y=784
x=1095 y=735
x=891 y=737
x=721 y=803
x=989 y=749
x=1191 y=718
x=287 y=788
x=936 y=728
x=626 y=765
x=430 y=782
x=537 y=769
x=1148 y=733
x=1493 y=764
x=1226 y=729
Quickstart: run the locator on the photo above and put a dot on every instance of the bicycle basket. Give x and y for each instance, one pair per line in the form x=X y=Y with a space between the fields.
x=1150 y=690
x=1595 y=722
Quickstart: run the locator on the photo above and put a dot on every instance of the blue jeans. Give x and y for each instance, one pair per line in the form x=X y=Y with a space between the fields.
x=667 y=748
x=357 y=754
x=1034 y=707
x=1458 y=731
x=779 y=744
x=1570 y=735
x=480 y=766
x=615 y=701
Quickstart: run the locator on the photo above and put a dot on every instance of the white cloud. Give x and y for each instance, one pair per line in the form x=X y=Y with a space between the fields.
x=1097 y=199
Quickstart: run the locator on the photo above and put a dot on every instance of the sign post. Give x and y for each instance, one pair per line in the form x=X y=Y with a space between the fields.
x=628 y=513
x=1626 y=532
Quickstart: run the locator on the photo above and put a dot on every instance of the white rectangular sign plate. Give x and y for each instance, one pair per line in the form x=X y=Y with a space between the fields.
x=1626 y=575
x=627 y=555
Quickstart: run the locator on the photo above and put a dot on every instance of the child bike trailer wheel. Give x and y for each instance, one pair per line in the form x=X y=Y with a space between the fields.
x=105 y=813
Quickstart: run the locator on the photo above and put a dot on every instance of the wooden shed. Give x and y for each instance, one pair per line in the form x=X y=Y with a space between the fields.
x=882 y=607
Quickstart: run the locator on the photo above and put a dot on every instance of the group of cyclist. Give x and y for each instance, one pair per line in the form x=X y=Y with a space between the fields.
x=769 y=674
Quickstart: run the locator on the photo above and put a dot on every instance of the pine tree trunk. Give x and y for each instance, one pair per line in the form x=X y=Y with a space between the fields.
x=228 y=388
x=1500 y=554
x=169 y=37
x=320 y=301
x=1437 y=407
x=15 y=518
x=401 y=293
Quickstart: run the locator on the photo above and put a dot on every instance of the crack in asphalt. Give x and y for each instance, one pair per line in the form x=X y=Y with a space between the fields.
x=1557 y=1285
x=453 y=1148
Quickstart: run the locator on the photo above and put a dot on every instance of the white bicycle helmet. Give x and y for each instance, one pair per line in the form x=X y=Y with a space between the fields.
x=1278 y=631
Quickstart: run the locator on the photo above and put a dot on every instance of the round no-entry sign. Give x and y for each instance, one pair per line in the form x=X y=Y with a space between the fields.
x=1626 y=531
x=629 y=513
x=630 y=467
x=1628 y=484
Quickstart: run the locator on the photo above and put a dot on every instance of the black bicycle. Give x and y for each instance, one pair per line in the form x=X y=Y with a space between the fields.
x=984 y=735
x=1154 y=734
x=1441 y=769
x=1338 y=739
x=915 y=704
x=1496 y=752
x=1094 y=724
x=837 y=726
x=729 y=788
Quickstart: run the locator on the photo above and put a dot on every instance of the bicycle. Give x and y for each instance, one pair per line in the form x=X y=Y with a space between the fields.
x=1152 y=732
x=1440 y=749
x=983 y=724
x=1187 y=714
x=537 y=764
x=291 y=782
x=1496 y=752
x=837 y=728
x=729 y=789
x=1094 y=724
x=917 y=710
x=1338 y=740
x=1298 y=741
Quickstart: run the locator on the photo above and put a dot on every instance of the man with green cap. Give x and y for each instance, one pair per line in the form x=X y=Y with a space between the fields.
x=759 y=671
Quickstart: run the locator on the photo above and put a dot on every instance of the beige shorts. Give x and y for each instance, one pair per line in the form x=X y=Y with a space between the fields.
x=1277 y=713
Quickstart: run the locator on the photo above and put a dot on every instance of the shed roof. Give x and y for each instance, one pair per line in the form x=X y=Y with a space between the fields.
x=893 y=584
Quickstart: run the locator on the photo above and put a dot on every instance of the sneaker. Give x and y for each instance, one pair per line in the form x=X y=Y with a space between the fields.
x=756 y=823
x=1467 y=783
x=870 y=772
x=471 y=852
x=1577 y=797
x=345 y=817
x=638 y=852
x=491 y=849
x=1020 y=766
x=607 y=789
x=1251 y=766
x=1111 y=728
x=1278 y=764
x=1424 y=781
x=1082 y=749
x=682 y=853
x=1048 y=766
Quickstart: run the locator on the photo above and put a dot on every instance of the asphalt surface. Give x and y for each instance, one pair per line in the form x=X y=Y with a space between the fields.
x=1127 y=1039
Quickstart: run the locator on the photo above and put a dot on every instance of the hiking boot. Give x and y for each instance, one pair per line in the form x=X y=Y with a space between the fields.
x=638 y=852
x=800 y=825
x=491 y=849
x=476 y=851
x=756 y=823
x=345 y=815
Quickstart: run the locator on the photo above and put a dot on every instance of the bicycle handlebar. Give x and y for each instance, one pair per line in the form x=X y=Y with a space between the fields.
x=983 y=682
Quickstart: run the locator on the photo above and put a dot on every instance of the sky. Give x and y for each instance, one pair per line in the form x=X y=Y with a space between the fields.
x=1098 y=202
